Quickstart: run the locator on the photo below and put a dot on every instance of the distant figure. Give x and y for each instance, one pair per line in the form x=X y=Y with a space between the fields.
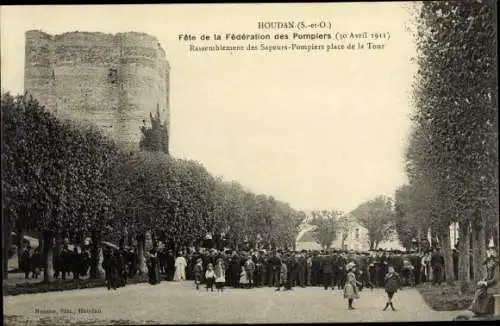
x=250 y=269
x=180 y=268
x=170 y=261
x=483 y=303
x=198 y=273
x=282 y=280
x=327 y=272
x=75 y=266
x=407 y=272
x=437 y=264
x=425 y=263
x=220 y=275
x=210 y=277
x=243 y=278
x=26 y=261
x=309 y=270
x=392 y=285
x=153 y=267
x=110 y=266
x=351 y=286
x=36 y=263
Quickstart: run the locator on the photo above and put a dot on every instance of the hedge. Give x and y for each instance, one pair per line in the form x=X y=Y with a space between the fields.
x=62 y=285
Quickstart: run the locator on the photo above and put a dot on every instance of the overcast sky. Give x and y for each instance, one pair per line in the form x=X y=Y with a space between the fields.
x=318 y=130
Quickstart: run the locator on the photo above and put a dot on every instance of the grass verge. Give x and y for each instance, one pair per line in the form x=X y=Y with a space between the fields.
x=62 y=285
x=445 y=297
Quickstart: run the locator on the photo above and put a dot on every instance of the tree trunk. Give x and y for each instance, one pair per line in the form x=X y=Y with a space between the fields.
x=94 y=255
x=59 y=243
x=140 y=253
x=20 y=246
x=478 y=247
x=48 y=254
x=40 y=240
x=6 y=245
x=463 y=257
x=445 y=240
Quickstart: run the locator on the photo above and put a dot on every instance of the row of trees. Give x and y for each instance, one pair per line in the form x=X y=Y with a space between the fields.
x=376 y=216
x=452 y=161
x=65 y=179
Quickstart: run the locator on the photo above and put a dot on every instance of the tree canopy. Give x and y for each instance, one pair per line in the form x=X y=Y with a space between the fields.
x=327 y=226
x=452 y=160
x=376 y=216
x=155 y=138
x=66 y=178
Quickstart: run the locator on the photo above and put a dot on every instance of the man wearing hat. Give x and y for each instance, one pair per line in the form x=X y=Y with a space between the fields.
x=26 y=261
x=258 y=262
x=309 y=269
x=315 y=269
x=437 y=264
x=340 y=270
x=301 y=269
x=328 y=272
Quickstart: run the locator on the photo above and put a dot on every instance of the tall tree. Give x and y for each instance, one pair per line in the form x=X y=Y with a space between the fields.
x=55 y=176
x=327 y=226
x=346 y=225
x=456 y=111
x=376 y=216
x=156 y=137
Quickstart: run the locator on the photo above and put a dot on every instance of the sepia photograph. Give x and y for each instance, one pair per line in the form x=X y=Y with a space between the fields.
x=250 y=163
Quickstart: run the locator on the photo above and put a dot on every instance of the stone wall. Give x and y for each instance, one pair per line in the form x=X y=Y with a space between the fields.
x=114 y=81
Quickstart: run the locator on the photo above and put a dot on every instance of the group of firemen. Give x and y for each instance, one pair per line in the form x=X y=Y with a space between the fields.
x=326 y=268
x=322 y=268
x=66 y=261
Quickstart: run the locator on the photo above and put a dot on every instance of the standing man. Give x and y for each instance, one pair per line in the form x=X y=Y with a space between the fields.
x=65 y=261
x=250 y=269
x=341 y=271
x=235 y=270
x=301 y=269
x=328 y=272
x=260 y=268
x=291 y=268
x=309 y=269
x=315 y=267
x=437 y=264
x=26 y=261
x=379 y=269
x=415 y=262
x=274 y=265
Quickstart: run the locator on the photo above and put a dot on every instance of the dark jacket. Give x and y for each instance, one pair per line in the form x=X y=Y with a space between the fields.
x=392 y=282
x=275 y=263
x=327 y=265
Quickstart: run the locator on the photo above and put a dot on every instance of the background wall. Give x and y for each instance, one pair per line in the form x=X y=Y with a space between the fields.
x=114 y=81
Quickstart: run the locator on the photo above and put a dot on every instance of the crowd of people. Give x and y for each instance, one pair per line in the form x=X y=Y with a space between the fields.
x=66 y=262
x=348 y=271
x=252 y=268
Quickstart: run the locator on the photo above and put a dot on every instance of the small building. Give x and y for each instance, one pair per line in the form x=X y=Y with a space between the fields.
x=356 y=239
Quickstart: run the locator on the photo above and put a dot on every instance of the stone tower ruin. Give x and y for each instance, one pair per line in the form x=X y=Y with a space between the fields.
x=114 y=81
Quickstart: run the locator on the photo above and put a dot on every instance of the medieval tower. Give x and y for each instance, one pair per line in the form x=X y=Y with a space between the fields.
x=114 y=81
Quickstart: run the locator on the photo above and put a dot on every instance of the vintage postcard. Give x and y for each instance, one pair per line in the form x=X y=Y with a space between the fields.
x=249 y=163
